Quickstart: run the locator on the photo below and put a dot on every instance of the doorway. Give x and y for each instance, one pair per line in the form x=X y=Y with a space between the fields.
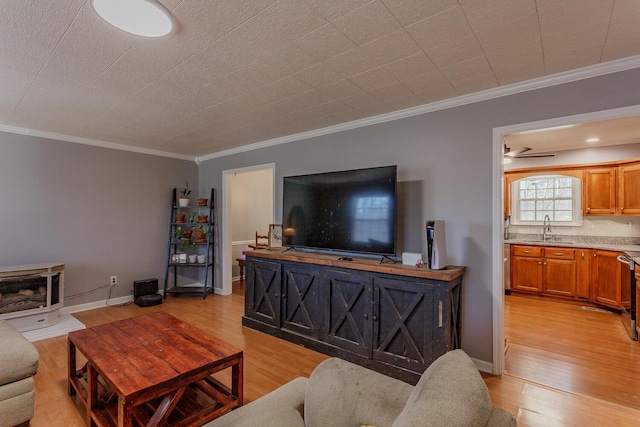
x=248 y=207
x=571 y=347
x=498 y=218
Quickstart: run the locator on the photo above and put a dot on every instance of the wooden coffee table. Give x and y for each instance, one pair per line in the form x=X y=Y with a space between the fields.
x=153 y=369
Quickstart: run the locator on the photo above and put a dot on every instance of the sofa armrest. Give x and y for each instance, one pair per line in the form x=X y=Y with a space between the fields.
x=501 y=418
x=18 y=357
x=283 y=407
x=340 y=393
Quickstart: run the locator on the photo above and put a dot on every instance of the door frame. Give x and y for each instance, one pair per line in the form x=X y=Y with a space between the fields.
x=227 y=221
x=498 y=210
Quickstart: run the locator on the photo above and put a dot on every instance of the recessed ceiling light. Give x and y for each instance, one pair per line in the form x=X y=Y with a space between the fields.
x=592 y=140
x=147 y=18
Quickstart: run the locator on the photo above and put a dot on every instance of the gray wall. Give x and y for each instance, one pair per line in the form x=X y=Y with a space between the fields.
x=100 y=211
x=444 y=163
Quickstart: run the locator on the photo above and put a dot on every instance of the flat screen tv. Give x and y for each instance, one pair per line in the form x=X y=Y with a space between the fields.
x=349 y=211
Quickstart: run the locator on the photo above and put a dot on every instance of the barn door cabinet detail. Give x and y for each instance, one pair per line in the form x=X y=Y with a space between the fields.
x=392 y=323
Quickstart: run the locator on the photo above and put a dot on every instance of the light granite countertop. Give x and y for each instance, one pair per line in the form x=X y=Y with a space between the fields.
x=628 y=246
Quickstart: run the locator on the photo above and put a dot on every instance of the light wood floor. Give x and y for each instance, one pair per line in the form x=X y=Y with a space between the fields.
x=270 y=362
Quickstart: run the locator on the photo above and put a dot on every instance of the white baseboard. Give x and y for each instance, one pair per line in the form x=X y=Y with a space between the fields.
x=96 y=304
x=483 y=365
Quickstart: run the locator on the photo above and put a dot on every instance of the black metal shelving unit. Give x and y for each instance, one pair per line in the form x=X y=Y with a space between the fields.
x=205 y=248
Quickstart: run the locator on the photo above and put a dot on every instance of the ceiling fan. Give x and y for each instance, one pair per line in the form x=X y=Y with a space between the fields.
x=519 y=153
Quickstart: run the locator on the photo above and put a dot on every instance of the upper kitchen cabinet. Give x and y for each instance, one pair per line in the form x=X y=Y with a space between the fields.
x=599 y=191
x=629 y=189
x=608 y=189
x=612 y=190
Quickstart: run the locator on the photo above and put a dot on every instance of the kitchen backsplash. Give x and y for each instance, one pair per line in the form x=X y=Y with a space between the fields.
x=619 y=227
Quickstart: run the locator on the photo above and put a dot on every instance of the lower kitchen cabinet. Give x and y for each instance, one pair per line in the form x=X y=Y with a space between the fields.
x=583 y=279
x=609 y=279
x=575 y=273
x=526 y=268
x=391 y=318
x=559 y=272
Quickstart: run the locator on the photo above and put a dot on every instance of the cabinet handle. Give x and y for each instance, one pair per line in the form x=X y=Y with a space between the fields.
x=366 y=316
x=539 y=262
x=544 y=263
x=621 y=208
x=276 y=295
x=588 y=209
x=559 y=253
x=595 y=255
x=527 y=252
x=375 y=318
x=583 y=256
x=439 y=314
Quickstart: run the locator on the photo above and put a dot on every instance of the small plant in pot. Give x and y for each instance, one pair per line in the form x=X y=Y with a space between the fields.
x=184 y=195
x=200 y=234
x=187 y=243
x=180 y=218
x=202 y=201
x=203 y=219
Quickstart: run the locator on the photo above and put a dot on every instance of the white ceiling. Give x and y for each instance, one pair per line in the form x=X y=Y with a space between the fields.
x=619 y=131
x=237 y=72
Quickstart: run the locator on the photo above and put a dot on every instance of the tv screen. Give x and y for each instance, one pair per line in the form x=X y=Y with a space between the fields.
x=351 y=211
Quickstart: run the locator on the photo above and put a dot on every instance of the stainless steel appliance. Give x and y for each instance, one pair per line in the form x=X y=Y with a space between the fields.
x=628 y=314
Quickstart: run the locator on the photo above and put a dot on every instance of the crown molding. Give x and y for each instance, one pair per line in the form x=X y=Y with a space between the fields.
x=93 y=142
x=498 y=92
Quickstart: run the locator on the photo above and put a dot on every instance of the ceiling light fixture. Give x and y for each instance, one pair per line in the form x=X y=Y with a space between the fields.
x=147 y=18
x=592 y=140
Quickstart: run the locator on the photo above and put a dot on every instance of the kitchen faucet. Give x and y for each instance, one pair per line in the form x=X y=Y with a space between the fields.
x=546 y=228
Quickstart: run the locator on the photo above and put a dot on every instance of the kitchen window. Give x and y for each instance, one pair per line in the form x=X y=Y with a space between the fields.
x=558 y=196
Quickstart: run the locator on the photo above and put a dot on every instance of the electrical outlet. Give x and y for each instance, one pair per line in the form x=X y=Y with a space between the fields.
x=114 y=280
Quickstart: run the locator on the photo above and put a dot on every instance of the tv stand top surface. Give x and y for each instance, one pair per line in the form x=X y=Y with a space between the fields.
x=359 y=263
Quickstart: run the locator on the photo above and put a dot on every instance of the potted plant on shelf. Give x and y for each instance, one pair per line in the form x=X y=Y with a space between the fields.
x=184 y=195
x=200 y=234
x=180 y=218
x=203 y=219
x=187 y=243
x=202 y=201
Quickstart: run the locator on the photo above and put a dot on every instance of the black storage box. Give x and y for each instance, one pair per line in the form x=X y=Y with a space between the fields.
x=145 y=293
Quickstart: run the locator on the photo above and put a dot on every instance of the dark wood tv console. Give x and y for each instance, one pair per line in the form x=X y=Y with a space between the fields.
x=393 y=318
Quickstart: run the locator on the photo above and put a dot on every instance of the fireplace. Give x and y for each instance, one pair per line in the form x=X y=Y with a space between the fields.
x=31 y=295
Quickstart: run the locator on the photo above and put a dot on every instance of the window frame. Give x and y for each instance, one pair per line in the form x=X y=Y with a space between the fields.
x=576 y=202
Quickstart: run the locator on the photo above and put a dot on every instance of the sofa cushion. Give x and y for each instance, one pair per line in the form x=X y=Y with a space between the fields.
x=18 y=357
x=340 y=393
x=450 y=392
x=283 y=407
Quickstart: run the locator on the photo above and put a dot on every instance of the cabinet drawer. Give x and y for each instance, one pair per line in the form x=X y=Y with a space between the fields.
x=533 y=251
x=560 y=253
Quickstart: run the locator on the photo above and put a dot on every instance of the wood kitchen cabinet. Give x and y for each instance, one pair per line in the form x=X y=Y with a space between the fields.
x=559 y=272
x=611 y=190
x=629 y=189
x=583 y=271
x=547 y=270
x=610 y=281
x=526 y=268
x=599 y=191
